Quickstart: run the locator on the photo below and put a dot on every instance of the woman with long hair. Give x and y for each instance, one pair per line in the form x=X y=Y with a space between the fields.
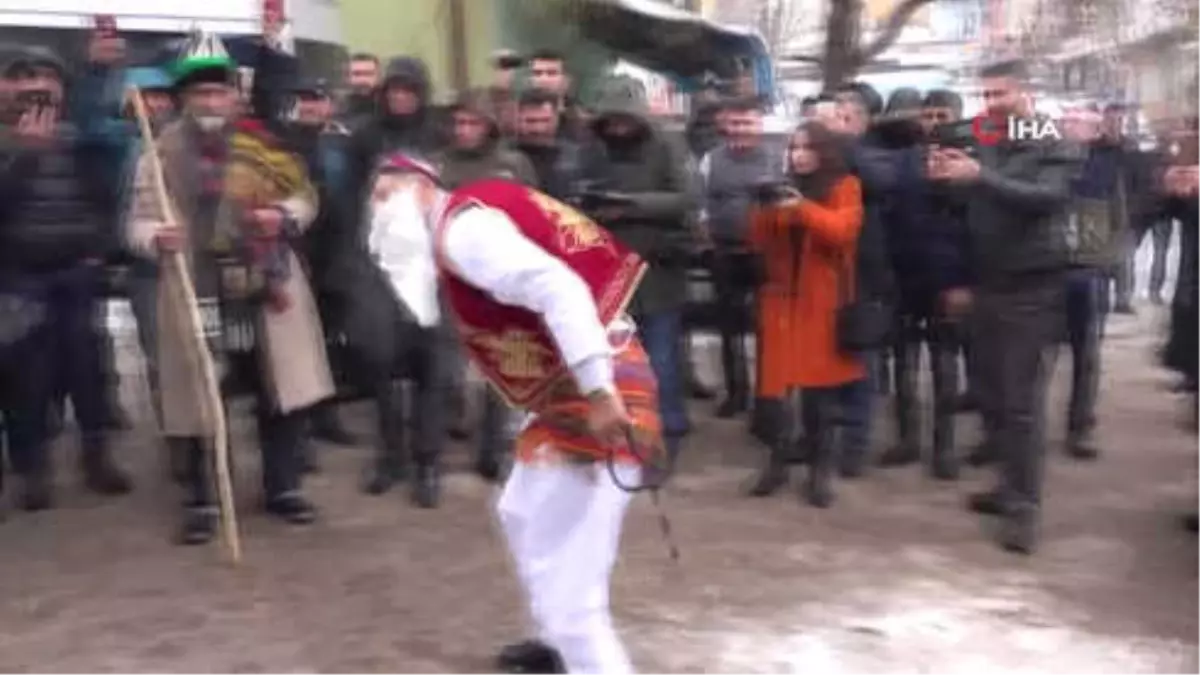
x=807 y=235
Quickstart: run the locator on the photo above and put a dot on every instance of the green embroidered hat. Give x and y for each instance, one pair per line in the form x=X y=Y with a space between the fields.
x=203 y=59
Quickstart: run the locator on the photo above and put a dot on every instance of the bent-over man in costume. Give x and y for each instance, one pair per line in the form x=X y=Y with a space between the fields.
x=240 y=198
x=538 y=292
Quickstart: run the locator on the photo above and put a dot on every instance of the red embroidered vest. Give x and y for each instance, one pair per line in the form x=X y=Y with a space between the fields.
x=509 y=345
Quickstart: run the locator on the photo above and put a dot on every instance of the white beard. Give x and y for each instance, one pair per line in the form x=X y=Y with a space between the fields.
x=402 y=246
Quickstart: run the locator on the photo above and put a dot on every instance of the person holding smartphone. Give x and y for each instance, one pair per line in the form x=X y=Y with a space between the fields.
x=807 y=234
x=55 y=232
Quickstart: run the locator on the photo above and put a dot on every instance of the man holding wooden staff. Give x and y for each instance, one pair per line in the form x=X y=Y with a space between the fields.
x=237 y=199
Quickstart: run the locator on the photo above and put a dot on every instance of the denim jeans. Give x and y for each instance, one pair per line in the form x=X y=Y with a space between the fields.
x=660 y=336
x=857 y=407
x=1084 y=319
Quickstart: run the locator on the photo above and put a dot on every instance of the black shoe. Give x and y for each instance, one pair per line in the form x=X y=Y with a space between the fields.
x=1019 y=530
x=292 y=508
x=530 y=656
x=900 y=455
x=458 y=432
x=772 y=476
x=37 y=493
x=382 y=475
x=102 y=476
x=987 y=503
x=427 y=487
x=1080 y=446
x=731 y=407
x=982 y=455
x=199 y=525
x=489 y=469
x=700 y=391
x=1190 y=522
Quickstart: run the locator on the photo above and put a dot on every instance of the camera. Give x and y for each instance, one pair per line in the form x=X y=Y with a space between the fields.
x=772 y=192
x=959 y=135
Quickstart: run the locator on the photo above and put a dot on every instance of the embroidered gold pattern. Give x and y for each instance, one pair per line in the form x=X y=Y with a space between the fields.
x=576 y=232
x=515 y=353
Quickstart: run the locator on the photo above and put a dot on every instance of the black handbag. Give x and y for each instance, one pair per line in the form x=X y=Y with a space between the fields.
x=862 y=324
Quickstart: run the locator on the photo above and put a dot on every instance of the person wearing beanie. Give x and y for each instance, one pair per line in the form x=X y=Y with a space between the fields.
x=241 y=199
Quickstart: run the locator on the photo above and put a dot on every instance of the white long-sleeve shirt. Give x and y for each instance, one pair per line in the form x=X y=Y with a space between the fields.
x=485 y=249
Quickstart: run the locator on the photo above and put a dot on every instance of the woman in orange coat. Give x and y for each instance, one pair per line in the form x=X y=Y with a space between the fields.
x=807 y=240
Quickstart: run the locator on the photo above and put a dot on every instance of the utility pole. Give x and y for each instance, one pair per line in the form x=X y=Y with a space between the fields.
x=459 y=71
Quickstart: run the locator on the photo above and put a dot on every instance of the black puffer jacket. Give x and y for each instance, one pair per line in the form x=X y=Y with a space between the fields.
x=56 y=204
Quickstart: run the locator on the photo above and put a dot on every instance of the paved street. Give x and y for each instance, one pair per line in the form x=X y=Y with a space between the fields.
x=897 y=577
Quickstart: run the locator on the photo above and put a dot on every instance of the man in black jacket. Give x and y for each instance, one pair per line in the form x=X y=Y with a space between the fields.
x=1019 y=193
x=56 y=201
x=645 y=175
x=378 y=337
x=557 y=161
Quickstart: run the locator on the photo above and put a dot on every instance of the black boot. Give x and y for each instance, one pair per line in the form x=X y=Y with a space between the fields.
x=384 y=472
x=1191 y=521
x=818 y=484
x=1019 y=529
x=774 y=473
x=292 y=508
x=530 y=656
x=989 y=503
x=199 y=524
x=427 y=486
x=100 y=474
x=390 y=465
x=766 y=418
x=732 y=406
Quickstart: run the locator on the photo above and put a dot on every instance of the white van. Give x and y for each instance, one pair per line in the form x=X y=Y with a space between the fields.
x=313 y=26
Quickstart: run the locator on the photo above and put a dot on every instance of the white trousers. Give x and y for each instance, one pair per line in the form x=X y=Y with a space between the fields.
x=563 y=526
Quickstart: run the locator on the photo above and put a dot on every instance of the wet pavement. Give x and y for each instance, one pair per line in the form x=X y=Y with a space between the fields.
x=896 y=577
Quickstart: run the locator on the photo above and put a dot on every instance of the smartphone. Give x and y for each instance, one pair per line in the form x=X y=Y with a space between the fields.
x=29 y=100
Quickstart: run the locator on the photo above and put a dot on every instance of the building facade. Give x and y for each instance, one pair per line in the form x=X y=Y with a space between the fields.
x=425 y=28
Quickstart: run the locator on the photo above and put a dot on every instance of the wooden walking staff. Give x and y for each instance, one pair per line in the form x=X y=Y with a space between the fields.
x=178 y=265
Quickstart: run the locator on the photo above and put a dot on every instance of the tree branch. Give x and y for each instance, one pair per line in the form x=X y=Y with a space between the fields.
x=891 y=30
